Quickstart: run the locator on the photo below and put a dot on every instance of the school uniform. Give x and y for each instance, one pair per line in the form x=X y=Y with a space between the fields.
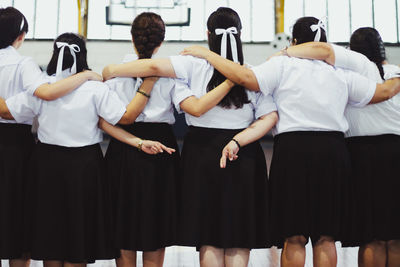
x=68 y=220
x=17 y=74
x=143 y=185
x=225 y=208
x=373 y=140
x=310 y=164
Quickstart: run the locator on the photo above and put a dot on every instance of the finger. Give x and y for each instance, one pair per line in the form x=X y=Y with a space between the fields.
x=235 y=157
x=231 y=154
x=158 y=146
x=167 y=149
x=170 y=150
x=222 y=161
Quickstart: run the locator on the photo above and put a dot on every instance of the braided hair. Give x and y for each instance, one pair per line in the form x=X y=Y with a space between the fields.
x=148 y=32
x=368 y=42
x=225 y=18
x=12 y=24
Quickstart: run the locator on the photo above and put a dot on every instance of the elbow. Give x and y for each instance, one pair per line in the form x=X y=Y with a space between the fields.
x=244 y=79
x=274 y=117
x=45 y=94
x=125 y=120
x=154 y=69
x=196 y=112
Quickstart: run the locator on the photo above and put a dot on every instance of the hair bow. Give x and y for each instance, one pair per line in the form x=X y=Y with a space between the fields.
x=317 y=27
x=72 y=48
x=231 y=31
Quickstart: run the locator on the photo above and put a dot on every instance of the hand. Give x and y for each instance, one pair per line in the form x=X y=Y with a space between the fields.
x=230 y=151
x=196 y=51
x=107 y=72
x=93 y=76
x=154 y=147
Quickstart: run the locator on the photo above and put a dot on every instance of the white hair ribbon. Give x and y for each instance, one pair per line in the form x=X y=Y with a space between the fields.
x=72 y=48
x=22 y=24
x=317 y=27
x=231 y=31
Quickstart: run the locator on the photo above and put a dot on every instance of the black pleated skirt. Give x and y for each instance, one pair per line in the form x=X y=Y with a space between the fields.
x=16 y=143
x=67 y=218
x=224 y=208
x=143 y=189
x=308 y=185
x=375 y=182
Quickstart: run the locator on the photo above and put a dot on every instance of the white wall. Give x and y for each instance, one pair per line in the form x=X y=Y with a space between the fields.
x=101 y=53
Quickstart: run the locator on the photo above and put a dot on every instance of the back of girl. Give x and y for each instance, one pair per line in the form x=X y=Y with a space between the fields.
x=374 y=144
x=144 y=186
x=368 y=42
x=17 y=74
x=68 y=221
x=223 y=212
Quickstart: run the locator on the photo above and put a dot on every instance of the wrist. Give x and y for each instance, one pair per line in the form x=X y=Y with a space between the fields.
x=236 y=142
x=139 y=143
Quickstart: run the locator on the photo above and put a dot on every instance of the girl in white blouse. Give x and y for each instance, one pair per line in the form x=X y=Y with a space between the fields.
x=68 y=219
x=223 y=211
x=310 y=165
x=373 y=139
x=20 y=74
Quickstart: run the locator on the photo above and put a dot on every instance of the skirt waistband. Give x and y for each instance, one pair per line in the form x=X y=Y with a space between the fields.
x=374 y=139
x=311 y=134
x=212 y=131
x=68 y=149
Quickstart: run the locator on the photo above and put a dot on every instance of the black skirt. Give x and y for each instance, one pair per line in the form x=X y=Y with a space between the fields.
x=144 y=190
x=67 y=219
x=308 y=185
x=375 y=185
x=16 y=143
x=224 y=208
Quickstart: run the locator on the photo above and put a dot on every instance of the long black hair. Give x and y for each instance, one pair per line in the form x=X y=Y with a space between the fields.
x=148 y=32
x=225 y=18
x=302 y=32
x=11 y=20
x=68 y=60
x=368 y=42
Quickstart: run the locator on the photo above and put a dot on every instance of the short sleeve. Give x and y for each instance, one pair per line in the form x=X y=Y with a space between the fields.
x=182 y=66
x=24 y=106
x=391 y=71
x=108 y=105
x=351 y=60
x=32 y=76
x=180 y=92
x=264 y=104
x=361 y=89
x=268 y=74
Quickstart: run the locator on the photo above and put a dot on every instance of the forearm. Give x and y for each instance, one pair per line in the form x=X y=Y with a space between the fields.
x=386 y=90
x=313 y=50
x=137 y=104
x=119 y=133
x=140 y=68
x=62 y=87
x=257 y=129
x=233 y=71
x=199 y=106
x=4 y=111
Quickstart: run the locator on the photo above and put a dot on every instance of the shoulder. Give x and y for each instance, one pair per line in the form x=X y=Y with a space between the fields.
x=391 y=71
x=94 y=86
x=189 y=60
